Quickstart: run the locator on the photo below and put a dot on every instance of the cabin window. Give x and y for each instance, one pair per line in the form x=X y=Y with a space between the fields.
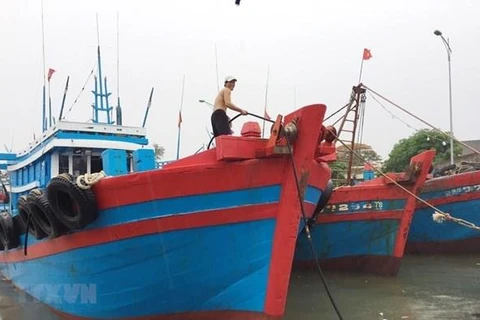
x=79 y=165
x=96 y=164
x=63 y=164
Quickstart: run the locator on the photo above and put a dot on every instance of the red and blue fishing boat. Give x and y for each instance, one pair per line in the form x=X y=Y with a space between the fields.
x=458 y=195
x=95 y=231
x=364 y=227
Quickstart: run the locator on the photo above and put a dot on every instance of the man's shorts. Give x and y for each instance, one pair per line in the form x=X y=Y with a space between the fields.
x=220 y=123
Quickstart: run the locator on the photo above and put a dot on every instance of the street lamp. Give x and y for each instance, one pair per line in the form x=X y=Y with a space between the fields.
x=449 y=53
x=206 y=102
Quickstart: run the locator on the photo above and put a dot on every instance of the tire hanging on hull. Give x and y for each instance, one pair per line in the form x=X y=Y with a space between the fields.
x=43 y=214
x=9 y=237
x=322 y=202
x=74 y=207
x=30 y=223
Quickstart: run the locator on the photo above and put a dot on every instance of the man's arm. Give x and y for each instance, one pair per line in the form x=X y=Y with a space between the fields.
x=228 y=102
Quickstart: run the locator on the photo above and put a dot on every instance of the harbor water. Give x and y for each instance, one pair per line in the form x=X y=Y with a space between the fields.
x=427 y=287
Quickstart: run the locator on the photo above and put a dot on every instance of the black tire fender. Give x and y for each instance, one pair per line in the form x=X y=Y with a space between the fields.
x=43 y=214
x=323 y=200
x=24 y=212
x=74 y=207
x=9 y=237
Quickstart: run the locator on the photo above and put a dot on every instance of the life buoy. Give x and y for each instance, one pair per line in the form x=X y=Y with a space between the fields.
x=9 y=237
x=43 y=215
x=322 y=201
x=73 y=206
x=30 y=223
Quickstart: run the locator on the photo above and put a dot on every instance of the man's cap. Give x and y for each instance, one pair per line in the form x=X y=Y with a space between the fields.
x=230 y=78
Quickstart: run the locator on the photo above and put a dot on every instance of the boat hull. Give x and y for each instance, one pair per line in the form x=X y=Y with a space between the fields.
x=200 y=238
x=360 y=245
x=155 y=274
x=457 y=195
x=364 y=227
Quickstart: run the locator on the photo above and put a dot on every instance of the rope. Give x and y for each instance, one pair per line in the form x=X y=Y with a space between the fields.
x=423 y=121
x=348 y=103
x=441 y=217
x=437 y=213
x=401 y=120
x=307 y=231
x=78 y=96
x=87 y=180
x=238 y=115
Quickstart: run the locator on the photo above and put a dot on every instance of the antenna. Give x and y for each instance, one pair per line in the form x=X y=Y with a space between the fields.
x=98 y=32
x=101 y=91
x=266 y=98
x=118 y=57
x=148 y=108
x=63 y=99
x=180 y=119
x=216 y=66
x=44 y=119
x=119 y=108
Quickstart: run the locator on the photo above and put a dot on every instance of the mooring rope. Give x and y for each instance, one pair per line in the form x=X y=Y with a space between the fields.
x=87 y=180
x=439 y=216
x=307 y=231
x=421 y=120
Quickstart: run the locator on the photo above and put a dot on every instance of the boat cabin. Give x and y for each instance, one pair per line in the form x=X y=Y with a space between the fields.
x=77 y=148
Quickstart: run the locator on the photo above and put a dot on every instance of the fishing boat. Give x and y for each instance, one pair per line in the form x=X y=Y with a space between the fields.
x=363 y=227
x=451 y=193
x=95 y=231
x=457 y=194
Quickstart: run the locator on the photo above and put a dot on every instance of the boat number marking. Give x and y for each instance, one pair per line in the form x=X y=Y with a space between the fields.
x=354 y=206
x=462 y=190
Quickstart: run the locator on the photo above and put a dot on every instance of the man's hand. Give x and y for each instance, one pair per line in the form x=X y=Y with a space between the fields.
x=244 y=112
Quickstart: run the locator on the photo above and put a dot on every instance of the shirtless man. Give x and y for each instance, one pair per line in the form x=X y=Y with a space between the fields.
x=223 y=101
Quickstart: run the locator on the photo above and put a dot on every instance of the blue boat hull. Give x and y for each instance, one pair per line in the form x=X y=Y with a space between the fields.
x=351 y=245
x=428 y=236
x=156 y=274
x=218 y=271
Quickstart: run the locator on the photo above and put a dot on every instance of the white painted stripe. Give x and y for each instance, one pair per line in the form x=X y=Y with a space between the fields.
x=80 y=143
x=31 y=185
x=84 y=127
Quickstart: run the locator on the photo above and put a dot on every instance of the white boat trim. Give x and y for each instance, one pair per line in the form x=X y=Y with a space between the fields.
x=84 y=127
x=80 y=143
x=26 y=187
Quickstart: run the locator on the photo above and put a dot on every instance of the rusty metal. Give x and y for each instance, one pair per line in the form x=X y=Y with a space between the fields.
x=357 y=97
x=291 y=130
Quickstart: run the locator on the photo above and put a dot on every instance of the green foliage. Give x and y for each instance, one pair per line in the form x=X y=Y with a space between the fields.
x=340 y=167
x=339 y=170
x=363 y=150
x=422 y=140
x=159 y=151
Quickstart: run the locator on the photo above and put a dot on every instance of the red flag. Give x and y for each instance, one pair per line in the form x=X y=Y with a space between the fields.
x=50 y=73
x=265 y=115
x=179 y=118
x=366 y=54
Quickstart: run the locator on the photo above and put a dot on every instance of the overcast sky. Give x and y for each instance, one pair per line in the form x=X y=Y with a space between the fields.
x=313 y=48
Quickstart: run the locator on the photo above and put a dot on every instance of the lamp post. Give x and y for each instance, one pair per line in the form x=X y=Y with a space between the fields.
x=449 y=53
x=206 y=102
